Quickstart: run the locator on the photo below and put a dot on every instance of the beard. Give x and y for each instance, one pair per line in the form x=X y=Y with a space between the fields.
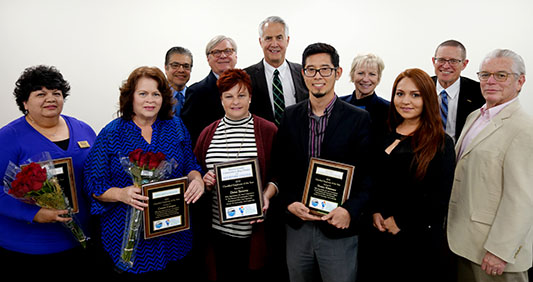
x=318 y=95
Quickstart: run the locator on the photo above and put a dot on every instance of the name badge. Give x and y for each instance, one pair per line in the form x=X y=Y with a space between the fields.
x=83 y=144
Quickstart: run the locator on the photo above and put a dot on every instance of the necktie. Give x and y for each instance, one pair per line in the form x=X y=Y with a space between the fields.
x=279 y=101
x=444 y=107
x=181 y=100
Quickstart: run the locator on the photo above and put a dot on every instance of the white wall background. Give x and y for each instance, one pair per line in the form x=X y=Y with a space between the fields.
x=97 y=43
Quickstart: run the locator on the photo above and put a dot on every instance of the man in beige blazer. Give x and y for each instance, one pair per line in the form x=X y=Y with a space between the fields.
x=490 y=217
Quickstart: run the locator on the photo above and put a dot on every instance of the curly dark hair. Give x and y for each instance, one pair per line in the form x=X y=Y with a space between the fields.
x=35 y=78
x=128 y=88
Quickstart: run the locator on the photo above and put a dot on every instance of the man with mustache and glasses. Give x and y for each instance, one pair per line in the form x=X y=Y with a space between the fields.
x=324 y=127
x=178 y=66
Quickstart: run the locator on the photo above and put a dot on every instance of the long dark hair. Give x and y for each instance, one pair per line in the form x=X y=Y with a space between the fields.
x=428 y=138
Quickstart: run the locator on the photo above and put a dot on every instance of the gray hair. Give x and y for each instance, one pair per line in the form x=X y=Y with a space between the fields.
x=217 y=39
x=367 y=60
x=453 y=43
x=273 y=19
x=518 y=63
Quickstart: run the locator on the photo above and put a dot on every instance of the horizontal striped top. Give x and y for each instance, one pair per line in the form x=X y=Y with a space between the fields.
x=233 y=140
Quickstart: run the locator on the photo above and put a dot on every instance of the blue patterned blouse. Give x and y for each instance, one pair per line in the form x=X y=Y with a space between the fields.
x=103 y=171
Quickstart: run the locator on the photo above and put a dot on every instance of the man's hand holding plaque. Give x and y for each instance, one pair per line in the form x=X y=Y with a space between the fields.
x=327 y=187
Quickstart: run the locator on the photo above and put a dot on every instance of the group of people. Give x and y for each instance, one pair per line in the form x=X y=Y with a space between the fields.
x=440 y=191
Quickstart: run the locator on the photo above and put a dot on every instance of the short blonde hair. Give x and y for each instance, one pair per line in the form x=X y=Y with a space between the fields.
x=367 y=60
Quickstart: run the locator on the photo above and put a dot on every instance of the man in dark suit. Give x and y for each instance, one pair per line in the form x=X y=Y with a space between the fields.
x=202 y=105
x=462 y=95
x=274 y=39
x=328 y=128
x=178 y=66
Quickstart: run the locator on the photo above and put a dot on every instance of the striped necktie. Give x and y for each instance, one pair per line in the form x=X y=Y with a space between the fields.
x=279 y=101
x=444 y=107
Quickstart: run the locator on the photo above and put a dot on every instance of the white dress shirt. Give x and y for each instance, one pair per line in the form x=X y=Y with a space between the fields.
x=289 y=92
x=453 y=101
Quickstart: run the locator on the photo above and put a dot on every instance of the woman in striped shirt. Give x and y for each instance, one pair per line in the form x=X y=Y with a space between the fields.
x=238 y=135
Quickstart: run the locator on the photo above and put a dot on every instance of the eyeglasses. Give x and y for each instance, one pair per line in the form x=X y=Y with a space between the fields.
x=324 y=72
x=499 y=76
x=452 y=62
x=218 y=53
x=175 y=66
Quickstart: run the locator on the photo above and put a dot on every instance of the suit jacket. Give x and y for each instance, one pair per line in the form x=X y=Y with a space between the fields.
x=202 y=106
x=346 y=140
x=261 y=104
x=470 y=99
x=491 y=205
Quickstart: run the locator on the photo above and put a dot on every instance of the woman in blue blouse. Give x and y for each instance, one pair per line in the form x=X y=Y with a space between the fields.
x=33 y=242
x=146 y=121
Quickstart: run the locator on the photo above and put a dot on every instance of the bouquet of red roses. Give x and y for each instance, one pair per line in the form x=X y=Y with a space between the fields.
x=143 y=167
x=35 y=184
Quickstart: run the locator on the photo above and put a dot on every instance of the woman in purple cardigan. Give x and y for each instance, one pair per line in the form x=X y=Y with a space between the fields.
x=238 y=135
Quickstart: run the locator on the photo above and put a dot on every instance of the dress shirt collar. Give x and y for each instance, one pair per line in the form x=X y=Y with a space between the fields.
x=174 y=91
x=452 y=91
x=327 y=110
x=269 y=70
x=492 y=112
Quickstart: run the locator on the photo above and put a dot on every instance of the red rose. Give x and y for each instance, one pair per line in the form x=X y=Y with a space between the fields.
x=30 y=178
x=145 y=158
x=155 y=160
x=135 y=156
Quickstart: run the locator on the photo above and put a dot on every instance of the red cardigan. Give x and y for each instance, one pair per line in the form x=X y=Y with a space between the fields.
x=264 y=132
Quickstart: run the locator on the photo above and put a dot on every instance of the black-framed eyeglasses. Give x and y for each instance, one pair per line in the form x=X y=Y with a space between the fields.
x=500 y=76
x=452 y=62
x=218 y=53
x=324 y=72
x=175 y=66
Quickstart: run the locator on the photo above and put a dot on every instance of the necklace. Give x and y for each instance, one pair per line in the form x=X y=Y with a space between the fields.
x=226 y=125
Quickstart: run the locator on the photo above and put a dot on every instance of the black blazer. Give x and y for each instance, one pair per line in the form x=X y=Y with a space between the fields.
x=202 y=106
x=470 y=99
x=346 y=140
x=261 y=104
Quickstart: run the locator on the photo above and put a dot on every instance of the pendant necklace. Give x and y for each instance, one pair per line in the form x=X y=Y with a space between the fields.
x=226 y=125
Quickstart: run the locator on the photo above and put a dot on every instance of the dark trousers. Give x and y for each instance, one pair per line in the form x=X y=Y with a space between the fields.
x=232 y=256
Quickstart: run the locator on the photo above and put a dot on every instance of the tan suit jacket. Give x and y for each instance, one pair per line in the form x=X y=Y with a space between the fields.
x=491 y=206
